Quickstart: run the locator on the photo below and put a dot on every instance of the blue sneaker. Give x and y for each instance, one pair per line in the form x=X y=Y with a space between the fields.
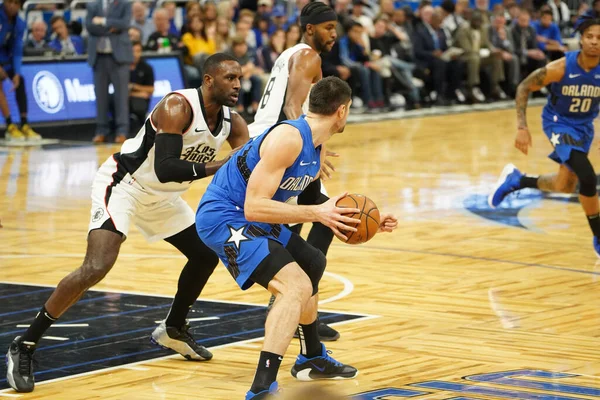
x=597 y=246
x=509 y=181
x=322 y=367
x=265 y=394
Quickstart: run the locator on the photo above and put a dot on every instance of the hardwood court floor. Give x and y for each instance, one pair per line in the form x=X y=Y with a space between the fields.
x=457 y=290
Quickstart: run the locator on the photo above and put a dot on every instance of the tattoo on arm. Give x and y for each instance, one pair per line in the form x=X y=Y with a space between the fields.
x=534 y=80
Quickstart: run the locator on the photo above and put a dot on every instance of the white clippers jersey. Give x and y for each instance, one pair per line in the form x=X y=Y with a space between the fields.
x=270 y=109
x=199 y=145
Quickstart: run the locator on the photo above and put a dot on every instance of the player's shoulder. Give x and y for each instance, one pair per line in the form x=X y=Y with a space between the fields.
x=285 y=137
x=307 y=55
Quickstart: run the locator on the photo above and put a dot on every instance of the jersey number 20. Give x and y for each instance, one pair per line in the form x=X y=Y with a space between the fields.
x=265 y=98
x=580 y=106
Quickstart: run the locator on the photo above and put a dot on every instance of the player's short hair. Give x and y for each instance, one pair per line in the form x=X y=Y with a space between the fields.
x=313 y=10
x=213 y=62
x=327 y=95
x=584 y=22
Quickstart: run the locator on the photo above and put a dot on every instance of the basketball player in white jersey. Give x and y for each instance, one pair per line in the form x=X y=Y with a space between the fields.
x=286 y=97
x=143 y=184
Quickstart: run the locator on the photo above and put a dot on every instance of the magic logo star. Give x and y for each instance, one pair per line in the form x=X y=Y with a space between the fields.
x=237 y=236
x=555 y=139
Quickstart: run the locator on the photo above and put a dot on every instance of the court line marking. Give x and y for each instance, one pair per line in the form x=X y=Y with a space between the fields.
x=59 y=325
x=3 y=391
x=59 y=338
x=192 y=319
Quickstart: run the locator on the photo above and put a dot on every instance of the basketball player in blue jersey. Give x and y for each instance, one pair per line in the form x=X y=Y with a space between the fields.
x=241 y=218
x=286 y=97
x=567 y=120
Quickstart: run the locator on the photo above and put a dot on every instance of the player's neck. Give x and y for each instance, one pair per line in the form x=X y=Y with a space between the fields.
x=320 y=128
x=310 y=43
x=212 y=109
x=587 y=62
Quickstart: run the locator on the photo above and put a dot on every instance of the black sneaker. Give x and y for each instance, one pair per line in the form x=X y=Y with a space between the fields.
x=19 y=363
x=181 y=341
x=322 y=367
x=326 y=333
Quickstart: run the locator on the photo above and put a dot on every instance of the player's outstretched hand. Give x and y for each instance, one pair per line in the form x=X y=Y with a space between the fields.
x=327 y=167
x=387 y=223
x=332 y=216
x=523 y=140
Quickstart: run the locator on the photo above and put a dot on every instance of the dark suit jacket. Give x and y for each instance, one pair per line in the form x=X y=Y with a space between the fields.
x=528 y=36
x=423 y=44
x=118 y=19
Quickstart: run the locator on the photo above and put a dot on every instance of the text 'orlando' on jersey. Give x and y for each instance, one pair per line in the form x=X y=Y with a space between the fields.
x=576 y=97
x=270 y=108
x=231 y=180
x=200 y=145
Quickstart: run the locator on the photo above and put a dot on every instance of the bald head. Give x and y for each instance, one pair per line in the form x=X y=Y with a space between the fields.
x=38 y=30
x=426 y=14
x=138 y=10
x=161 y=20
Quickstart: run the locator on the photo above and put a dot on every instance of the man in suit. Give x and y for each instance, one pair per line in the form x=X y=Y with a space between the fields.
x=110 y=54
x=526 y=48
x=472 y=39
x=63 y=42
x=501 y=38
x=428 y=53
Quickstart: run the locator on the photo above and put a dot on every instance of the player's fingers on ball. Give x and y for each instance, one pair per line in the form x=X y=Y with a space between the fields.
x=339 y=234
x=329 y=165
x=344 y=210
x=344 y=227
x=349 y=220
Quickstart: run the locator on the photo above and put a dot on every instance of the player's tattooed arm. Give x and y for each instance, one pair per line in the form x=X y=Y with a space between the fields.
x=538 y=79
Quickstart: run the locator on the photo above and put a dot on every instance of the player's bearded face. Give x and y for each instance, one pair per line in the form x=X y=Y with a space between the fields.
x=227 y=84
x=325 y=36
x=590 y=41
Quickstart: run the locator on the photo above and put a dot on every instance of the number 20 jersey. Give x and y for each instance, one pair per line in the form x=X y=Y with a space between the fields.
x=270 y=108
x=574 y=100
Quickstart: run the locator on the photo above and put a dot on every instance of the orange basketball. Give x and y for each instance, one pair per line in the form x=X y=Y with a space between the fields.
x=369 y=217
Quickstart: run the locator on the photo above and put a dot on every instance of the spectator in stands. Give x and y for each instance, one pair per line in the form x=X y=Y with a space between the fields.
x=252 y=82
x=353 y=55
x=135 y=35
x=199 y=48
x=461 y=8
x=265 y=7
x=63 y=42
x=194 y=10
x=294 y=19
x=548 y=36
x=262 y=30
x=162 y=40
x=513 y=11
x=560 y=13
x=12 y=29
x=483 y=6
x=37 y=44
x=171 y=8
x=501 y=38
x=292 y=36
x=341 y=9
x=387 y=7
x=141 y=87
x=209 y=11
x=451 y=21
x=278 y=17
x=383 y=41
x=222 y=37
x=366 y=22
x=455 y=67
x=109 y=55
x=243 y=28
x=526 y=49
x=594 y=12
x=141 y=21
x=473 y=39
x=428 y=53
x=267 y=54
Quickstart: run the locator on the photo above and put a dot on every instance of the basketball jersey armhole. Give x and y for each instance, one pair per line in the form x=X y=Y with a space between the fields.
x=186 y=129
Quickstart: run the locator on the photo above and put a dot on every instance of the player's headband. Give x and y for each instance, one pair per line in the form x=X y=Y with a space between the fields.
x=319 y=18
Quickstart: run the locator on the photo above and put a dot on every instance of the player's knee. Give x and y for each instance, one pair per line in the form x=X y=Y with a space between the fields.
x=93 y=271
x=298 y=288
x=587 y=186
x=582 y=167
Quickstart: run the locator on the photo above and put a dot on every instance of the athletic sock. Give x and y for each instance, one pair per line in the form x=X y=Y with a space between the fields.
x=310 y=344
x=41 y=323
x=529 y=182
x=266 y=371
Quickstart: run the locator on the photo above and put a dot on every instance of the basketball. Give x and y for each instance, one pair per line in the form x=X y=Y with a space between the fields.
x=369 y=218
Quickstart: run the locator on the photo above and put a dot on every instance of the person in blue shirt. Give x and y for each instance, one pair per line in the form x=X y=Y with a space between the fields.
x=568 y=122
x=12 y=29
x=241 y=217
x=548 y=36
x=63 y=42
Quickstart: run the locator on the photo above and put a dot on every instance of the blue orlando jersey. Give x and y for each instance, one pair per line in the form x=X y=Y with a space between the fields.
x=575 y=98
x=232 y=179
